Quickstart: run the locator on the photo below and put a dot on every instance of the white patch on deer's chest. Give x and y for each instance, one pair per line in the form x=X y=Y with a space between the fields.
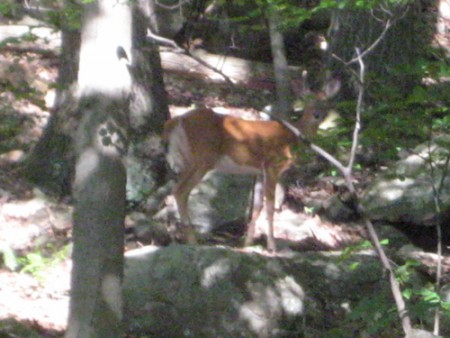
x=227 y=165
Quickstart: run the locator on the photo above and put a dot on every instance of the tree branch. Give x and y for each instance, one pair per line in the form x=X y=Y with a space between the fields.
x=346 y=171
x=389 y=23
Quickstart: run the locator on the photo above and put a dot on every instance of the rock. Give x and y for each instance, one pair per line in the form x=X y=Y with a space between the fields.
x=416 y=333
x=404 y=194
x=195 y=291
x=220 y=199
x=336 y=211
x=208 y=292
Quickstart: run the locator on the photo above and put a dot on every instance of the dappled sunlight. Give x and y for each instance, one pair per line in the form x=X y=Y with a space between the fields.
x=102 y=35
x=111 y=285
x=211 y=274
x=269 y=301
x=291 y=294
x=86 y=166
x=394 y=189
x=301 y=230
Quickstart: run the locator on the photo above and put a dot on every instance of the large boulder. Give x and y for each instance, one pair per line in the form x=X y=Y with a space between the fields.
x=220 y=199
x=404 y=194
x=194 y=291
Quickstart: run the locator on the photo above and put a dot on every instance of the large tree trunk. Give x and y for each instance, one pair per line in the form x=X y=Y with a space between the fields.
x=100 y=179
x=280 y=66
x=50 y=165
x=149 y=110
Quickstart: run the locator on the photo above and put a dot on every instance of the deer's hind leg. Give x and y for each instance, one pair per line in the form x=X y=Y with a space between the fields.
x=188 y=179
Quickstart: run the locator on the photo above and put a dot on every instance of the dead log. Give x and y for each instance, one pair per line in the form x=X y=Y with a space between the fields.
x=241 y=72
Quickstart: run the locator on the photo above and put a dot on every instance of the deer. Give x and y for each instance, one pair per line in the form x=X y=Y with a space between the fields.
x=202 y=140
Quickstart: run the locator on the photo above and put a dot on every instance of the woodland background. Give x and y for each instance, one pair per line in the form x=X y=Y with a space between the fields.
x=217 y=53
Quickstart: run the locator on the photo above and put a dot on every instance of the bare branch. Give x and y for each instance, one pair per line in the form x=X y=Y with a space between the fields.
x=358 y=111
x=165 y=41
x=346 y=171
x=389 y=23
x=171 y=7
x=373 y=45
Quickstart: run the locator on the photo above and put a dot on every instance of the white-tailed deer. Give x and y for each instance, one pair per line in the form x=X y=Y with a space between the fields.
x=202 y=140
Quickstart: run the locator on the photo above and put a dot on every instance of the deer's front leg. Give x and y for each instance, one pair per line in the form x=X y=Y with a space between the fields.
x=258 y=200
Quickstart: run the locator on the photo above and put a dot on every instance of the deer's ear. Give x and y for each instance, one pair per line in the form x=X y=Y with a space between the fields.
x=300 y=87
x=331 y=88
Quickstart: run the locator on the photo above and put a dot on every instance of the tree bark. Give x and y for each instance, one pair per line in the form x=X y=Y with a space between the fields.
x=51 y=162
x=100 y=176
x=149 y=109
x=280 y=65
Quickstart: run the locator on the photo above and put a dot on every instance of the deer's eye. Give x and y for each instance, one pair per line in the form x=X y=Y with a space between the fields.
x=317 y=115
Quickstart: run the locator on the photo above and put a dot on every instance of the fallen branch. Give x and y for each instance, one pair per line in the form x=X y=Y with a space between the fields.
x=185 y=51
x=13 y=48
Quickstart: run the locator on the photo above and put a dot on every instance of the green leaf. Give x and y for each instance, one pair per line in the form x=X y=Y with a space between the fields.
x=430 y=296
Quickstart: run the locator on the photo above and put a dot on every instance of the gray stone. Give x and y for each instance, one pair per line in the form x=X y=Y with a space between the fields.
x=405 y=192
x=194 y=291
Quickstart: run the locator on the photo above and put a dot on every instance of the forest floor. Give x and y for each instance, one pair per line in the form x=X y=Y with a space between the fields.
x=35 y=230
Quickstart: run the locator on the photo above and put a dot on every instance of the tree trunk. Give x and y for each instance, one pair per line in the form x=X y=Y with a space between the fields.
x=149 y=110
x=100 y=175
x=280 y=65
x=50 y=165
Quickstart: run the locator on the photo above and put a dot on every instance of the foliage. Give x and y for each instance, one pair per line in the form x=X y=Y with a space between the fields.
x=53 y=12
x=392 y=122
x=10 y=127
x=363 y=245
x=422 y=298
x=293 y=14
x=375 y=315
x=68 y=17
x=8 y=8
x=36 y=262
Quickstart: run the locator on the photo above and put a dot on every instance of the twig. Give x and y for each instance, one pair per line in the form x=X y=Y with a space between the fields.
x=389 y=23
x=359 y=103
x=185 y=51
x=368 y=49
